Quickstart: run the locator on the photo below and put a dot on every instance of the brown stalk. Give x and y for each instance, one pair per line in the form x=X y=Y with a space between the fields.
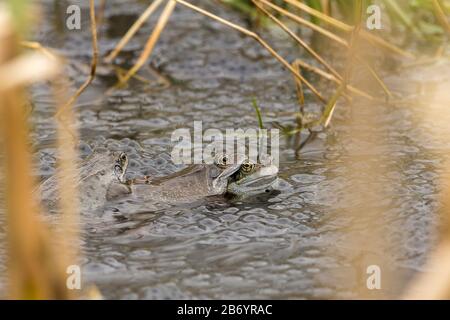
x=326 y=7
x=165 y=83
x=313 y=12
x=306 y=23
x=261 y=42
x=374 y=74
x=299 y=87
x=35 y=271
x=101 y=13
x=330 y=77
x=301 y=107
x=440 y=15
x=151 y=42
x=361 y=246
x=132 y=31
x=27 y=69
x=347 y=28
x=327 y=114
x=93 y=61
x=331 y=36
x=37 y=46
x=300 y=41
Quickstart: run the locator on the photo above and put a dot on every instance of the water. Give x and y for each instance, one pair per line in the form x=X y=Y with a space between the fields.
x=289 y=244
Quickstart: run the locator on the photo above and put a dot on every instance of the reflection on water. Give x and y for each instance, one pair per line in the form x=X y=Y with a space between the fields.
x=282 y=245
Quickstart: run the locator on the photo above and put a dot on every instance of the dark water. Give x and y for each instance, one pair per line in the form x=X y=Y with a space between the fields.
x=285 y=245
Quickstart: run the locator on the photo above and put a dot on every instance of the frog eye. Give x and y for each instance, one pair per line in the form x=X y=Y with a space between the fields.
x=123 y=156
x=247 y=167
x=222 y=160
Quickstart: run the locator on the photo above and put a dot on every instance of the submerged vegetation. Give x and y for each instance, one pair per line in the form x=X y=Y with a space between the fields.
x=339 y=24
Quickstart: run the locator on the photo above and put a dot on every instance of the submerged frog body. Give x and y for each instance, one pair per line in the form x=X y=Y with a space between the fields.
x=197 y=181
x=100 y=178
x=194 y=182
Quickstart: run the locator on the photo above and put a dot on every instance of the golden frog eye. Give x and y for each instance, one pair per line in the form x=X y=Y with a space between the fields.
x=247 y=167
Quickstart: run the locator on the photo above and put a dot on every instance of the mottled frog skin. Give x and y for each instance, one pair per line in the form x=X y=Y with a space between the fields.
x=99 y=178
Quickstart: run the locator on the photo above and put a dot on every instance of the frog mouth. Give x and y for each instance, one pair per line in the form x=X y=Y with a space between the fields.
x=222 y=178
x=265 y=179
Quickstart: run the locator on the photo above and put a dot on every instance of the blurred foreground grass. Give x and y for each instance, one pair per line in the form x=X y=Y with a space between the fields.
x=37 y=257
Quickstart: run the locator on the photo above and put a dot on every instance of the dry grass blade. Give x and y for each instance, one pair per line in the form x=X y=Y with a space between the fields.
x=313 y=12
x=37 y=46
x=345 y=27
x=261 y=41
x=101 y=13
x=375 y=75
x=330 y=77
x=33 y=269
x=331 y=36
x=327 y=114
x=301 y=108
x=440 y=15
x=36 y=272
x=27 y=69
x=299 y=87
x=385 y=45
x=132 y=31
x=300 y=41
x=439 y=52
x=151 y=42
x=93 y=62
x=362 y=248
x=160 y=79
x=326 y=7
x=331 y=105
x=306 y=23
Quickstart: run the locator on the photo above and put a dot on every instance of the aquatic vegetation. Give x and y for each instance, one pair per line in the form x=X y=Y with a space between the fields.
x=425 y=18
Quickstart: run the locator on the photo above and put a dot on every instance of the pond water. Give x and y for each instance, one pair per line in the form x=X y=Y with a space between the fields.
x=289 y=244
